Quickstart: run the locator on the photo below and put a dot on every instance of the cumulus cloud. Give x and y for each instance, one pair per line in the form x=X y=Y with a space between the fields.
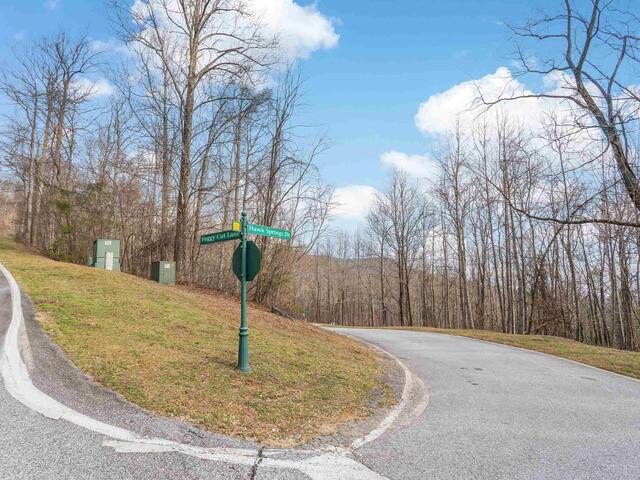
x=442 y=111
x=109 y=46
x=419 y=166
x=300 y=30
x=461 y=105
x=353 y=202
x=146 y=157
x=95 y=88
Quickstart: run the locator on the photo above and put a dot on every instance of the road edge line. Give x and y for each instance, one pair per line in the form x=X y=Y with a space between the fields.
x=410 y=380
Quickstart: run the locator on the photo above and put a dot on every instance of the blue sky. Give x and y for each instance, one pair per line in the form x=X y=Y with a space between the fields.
x=365 y=91
x=391 y=57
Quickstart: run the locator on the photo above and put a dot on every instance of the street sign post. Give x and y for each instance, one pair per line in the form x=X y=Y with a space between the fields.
x=243 y=347
x=246 y=265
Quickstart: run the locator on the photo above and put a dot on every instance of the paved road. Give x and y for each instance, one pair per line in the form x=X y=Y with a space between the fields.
x=494 y=412
x=502 y=413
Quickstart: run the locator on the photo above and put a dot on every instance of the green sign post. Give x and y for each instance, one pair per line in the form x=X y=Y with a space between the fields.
x=243 y=347
x=246 y=265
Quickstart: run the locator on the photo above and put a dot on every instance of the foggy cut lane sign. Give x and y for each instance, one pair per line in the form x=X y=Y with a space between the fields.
x=220 y=237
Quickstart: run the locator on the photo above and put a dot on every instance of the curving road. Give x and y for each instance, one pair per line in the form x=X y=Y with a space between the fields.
x=498 y=412
x=494 y=413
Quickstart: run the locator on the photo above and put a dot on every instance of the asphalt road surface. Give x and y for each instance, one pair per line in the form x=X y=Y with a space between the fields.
x=498 y=412
x=494 y=412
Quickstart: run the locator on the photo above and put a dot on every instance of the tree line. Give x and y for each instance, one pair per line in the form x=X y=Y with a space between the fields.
x=524 y=230
x=200 y=124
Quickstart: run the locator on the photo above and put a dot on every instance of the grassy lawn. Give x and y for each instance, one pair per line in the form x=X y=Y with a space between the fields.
x=173 y=350
x=619 y=361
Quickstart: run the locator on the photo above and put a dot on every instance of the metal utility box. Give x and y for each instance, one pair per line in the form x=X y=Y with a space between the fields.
x=106 y=255
x=163 y=272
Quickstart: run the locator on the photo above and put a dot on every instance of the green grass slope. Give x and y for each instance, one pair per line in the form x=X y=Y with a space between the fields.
x=172 y=350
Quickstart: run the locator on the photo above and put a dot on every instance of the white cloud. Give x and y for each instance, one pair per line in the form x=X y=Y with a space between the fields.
x=301 y=30
x=420 y=166
x=630 y=102
x=353 y=202
x=146 y=157
x=97 y=88
x=461 y=105
x=111 y=45
x=51 y=4
x=440 y=113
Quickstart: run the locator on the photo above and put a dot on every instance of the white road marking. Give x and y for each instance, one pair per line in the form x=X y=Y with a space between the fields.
x=320 y=465
x=411 y=384
x=317 y=466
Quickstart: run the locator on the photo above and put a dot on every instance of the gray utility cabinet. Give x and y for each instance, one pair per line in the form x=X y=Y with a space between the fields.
x=106 y=255
x=163 y=272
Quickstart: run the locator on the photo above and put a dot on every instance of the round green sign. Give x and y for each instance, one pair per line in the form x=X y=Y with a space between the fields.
x=254 y=257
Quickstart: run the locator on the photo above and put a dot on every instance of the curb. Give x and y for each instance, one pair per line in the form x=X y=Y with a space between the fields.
x=410 y=385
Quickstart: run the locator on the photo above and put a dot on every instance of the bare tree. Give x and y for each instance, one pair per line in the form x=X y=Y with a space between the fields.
x=600 y=92
x=397 y=217
x=196 y=42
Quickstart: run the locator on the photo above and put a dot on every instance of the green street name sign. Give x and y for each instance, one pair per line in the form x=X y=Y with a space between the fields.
x=268 y=231
x=219 y=237
x=246 y=265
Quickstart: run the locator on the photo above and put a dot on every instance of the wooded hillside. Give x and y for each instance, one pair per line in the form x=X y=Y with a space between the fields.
x=528 y=221
x=198 y=125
